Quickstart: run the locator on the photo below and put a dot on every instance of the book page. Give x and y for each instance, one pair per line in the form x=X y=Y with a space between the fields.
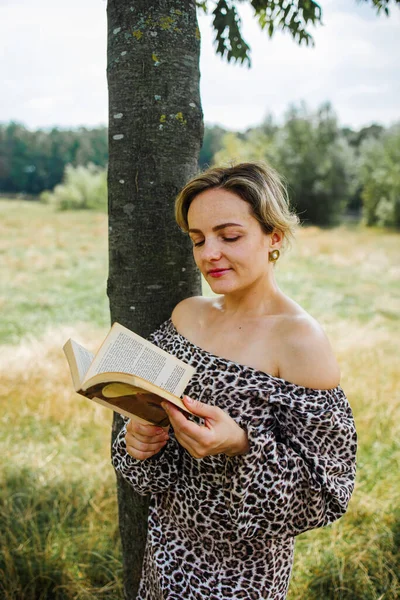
x=145 y=406
x=126 y=352
x=83 y=358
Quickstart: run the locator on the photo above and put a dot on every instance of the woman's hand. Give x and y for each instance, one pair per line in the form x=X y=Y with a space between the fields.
x=219 y=434
x=143 y=441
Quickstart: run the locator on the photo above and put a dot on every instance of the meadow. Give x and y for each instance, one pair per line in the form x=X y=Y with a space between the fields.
x=58 y=516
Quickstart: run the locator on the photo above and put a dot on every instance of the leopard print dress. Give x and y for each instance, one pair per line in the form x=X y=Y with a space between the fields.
x=223 y=527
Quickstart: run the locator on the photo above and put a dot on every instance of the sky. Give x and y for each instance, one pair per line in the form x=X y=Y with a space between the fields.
x=53 y=67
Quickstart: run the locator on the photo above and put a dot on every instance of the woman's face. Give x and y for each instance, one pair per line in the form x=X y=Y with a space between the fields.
x=229 y=246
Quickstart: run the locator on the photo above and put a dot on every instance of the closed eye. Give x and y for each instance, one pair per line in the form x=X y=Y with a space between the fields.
x=224 y=238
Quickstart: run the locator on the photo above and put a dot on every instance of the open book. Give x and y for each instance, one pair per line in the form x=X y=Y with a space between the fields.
x=130 y=375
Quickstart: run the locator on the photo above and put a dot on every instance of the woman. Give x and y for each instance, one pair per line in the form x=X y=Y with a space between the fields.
x=272 y=452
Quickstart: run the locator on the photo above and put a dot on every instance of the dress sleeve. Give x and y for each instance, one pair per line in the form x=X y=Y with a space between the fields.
x=300 y=469
x=157 y=473
x=152 y=475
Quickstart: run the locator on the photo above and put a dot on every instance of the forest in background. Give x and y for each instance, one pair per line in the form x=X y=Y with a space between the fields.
x=331 y=171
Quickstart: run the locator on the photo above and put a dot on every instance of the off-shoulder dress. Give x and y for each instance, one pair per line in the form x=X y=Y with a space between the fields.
x=223 y=527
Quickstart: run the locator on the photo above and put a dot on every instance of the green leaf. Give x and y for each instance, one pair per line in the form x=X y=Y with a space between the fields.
x=293 y=16
x=203 y=6
x=381 y=5
x=230 y=43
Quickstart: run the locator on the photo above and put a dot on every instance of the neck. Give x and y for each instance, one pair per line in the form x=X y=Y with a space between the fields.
x=259 y=300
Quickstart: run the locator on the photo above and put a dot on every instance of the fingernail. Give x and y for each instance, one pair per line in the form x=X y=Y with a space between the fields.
x=189 y=399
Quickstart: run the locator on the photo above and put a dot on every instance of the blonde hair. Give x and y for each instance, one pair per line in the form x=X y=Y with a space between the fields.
x=256 y=183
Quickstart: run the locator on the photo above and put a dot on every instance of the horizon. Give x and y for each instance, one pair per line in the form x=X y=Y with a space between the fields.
x=354 y=64
x=49 y=128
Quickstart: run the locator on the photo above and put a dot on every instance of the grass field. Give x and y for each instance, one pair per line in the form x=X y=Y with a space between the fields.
x=58 y=523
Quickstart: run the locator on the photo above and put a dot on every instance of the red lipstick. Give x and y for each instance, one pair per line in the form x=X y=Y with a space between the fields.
x=218 y=272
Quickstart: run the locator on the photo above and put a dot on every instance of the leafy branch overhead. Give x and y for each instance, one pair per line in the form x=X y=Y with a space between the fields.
x=293 y=16
x=381 y=5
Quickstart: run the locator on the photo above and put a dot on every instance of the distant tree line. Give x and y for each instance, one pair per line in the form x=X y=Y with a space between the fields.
x=33 y=161
x=330 y=170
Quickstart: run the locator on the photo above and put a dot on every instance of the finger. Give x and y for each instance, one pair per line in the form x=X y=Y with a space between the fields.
x=153 y=438
x=182 y=425
x=195 y=448
x=144 y=446
x=134 y=440
x=176 y=416
x=191 y=444
x=200 y=409
x=142 y=455
x=145 y=430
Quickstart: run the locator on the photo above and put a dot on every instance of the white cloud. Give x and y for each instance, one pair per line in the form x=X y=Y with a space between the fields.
x=54 y=70
x=354 y=64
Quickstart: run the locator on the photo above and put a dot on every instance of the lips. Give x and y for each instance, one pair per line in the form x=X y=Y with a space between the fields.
x=217 y=272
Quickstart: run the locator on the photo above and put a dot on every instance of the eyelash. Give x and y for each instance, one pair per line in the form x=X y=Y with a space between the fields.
x=225 y=240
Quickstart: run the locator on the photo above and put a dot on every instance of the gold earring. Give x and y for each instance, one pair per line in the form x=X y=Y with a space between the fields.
x=274 y=255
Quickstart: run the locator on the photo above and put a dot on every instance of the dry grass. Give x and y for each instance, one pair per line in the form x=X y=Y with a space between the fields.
x=37 y=367
x=358 y=558
x=58 y=524
x=59 y=536
x=53 y=269
x=62 y=442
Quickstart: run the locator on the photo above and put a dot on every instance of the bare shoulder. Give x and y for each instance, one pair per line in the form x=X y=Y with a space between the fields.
x=188 y=313
x=305 y=353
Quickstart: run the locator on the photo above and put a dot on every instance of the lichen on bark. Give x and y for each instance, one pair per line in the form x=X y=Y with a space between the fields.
x=150 y=260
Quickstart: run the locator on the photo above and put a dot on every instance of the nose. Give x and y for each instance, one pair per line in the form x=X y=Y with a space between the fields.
x=211 y=250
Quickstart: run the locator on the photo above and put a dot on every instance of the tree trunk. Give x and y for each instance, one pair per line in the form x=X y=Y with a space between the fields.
x=155 y=135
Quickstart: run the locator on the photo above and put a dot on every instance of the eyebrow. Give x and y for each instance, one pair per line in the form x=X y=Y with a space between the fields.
x=217 y=227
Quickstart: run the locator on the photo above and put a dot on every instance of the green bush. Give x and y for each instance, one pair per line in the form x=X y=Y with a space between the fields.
x=82 y=188
x=318 y=163
x=379 y=174
x=311 y=153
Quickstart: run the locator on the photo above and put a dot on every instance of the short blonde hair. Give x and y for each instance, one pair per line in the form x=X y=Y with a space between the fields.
x=256 y=183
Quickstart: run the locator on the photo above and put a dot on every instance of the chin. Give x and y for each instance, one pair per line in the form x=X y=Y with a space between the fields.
x=221 y=287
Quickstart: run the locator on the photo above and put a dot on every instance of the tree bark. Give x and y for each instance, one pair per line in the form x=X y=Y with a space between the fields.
x=155 y=136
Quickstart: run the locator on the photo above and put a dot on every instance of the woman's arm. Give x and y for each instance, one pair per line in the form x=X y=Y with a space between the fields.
x=152 y=474
x=218 y=434
x=287 y=473
x=148 y=465
x=294 y=469
x=299 y=473
x=300 y=469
